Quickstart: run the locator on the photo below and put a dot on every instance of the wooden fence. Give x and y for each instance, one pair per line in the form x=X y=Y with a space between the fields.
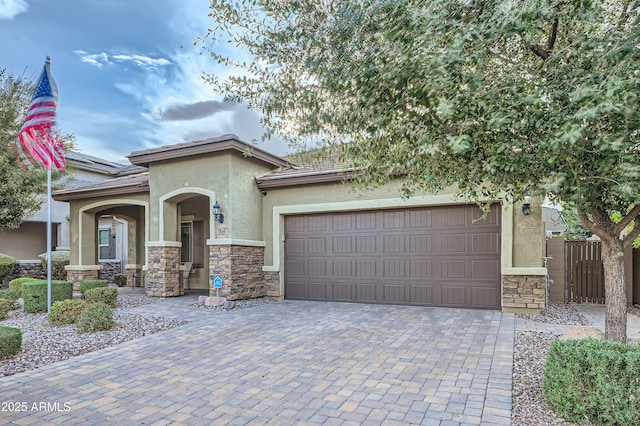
x=584 y=272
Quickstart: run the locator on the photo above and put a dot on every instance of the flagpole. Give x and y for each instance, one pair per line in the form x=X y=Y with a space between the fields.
x=49 y=260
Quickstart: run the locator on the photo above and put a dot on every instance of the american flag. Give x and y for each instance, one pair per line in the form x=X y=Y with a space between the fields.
x=38 y=141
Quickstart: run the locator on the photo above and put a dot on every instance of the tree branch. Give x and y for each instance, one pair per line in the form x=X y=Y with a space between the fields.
x=539 y=51
x=628 y=218
x=596 y=225
x=445 y=126
x=553 y=33
x=629 y=239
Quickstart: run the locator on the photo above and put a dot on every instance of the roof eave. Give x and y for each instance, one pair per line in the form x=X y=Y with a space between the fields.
x=266 y=183
x=64 y=195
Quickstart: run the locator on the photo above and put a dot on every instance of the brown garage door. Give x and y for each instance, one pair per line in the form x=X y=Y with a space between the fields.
x=434 y=256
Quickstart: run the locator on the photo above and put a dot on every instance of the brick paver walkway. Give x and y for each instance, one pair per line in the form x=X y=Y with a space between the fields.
x=285 y=363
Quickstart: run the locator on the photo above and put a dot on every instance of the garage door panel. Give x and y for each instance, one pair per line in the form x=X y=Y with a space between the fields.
x=485 y=297
x=435 y=256
x=485 y=269
x=422 y=295
x=296 y=290
x=342 y=292
x=366 y=293
x=453 y=295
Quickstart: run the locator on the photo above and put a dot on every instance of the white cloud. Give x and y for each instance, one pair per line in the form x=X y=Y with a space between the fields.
x=142 y=61
x=96 y=59
x=9 y=9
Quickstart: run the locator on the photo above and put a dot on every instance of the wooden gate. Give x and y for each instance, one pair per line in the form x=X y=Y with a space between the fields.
x=585 y=272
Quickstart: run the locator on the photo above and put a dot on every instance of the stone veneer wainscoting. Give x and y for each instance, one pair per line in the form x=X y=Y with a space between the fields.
x=162 y=278
x=240 y=268
x=521 y=292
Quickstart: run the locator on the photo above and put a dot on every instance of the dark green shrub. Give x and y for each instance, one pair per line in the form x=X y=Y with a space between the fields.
x=5 y=307
x=60 y=260
x=16 y=285
x=120 y=280
x=10 y=341
x=34 y=294
x=66 y=311
x=89 y=284
x=9 y=294
x=7 y=263
x=96 y=317
x=106 y=295
x=593 y=381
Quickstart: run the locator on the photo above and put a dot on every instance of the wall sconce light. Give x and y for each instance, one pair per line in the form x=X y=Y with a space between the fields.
x=217 y=216
x=526 y=205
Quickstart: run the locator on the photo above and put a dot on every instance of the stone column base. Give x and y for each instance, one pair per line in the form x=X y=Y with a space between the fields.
x=77 y=273
x=523 y=293
x=134 y=275
x=240 y=268
x=162 y=278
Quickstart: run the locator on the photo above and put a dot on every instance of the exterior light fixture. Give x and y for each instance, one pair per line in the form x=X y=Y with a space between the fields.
x=217 y=216
x=526 y=205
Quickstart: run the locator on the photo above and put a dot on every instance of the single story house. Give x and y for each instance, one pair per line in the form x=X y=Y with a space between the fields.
x=221 y=208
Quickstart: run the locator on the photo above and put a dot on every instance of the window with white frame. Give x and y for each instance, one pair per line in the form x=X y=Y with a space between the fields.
x=106 y=246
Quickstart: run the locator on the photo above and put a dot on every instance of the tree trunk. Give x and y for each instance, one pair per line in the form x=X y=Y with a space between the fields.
x=614 y=291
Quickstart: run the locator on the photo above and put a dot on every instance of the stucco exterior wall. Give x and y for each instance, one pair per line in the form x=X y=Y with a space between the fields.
x=227 y=178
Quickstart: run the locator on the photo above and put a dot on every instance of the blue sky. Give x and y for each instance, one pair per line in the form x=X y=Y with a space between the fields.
x=128 y=74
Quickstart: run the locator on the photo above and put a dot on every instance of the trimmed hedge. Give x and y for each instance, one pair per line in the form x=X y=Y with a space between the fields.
x=593 y=381
x=96 y=317
x=16 y=285
x=7 y=263
x=66 y=311
x=10 y=341
x=5 y=307
x=89 y=284
x=34 y=294
x=8 y=294
x=106 y=295
x=61 y=258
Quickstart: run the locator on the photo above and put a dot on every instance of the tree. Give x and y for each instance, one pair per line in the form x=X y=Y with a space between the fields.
x=20 y=191
x=501 y=98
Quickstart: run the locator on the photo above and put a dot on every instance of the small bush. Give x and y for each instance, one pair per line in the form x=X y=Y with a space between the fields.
x=66 y=311
x=9 y=294
x=61 y=259
x=120 y=280
x=593 y=381
x=16 y=284
x=96 y=317
x=5 y=307
x=35 y=296
x=106 y=295
x=7 y=263
x=10 y=341
x=89 y=284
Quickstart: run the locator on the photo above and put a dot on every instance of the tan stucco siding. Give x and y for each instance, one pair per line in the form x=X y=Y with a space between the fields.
x=227 y=178
x=528 y=237
x=84 y=225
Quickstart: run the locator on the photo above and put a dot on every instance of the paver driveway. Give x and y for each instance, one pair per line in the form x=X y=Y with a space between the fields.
x=286 y=363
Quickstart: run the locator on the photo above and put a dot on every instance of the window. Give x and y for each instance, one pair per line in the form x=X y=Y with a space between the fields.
x=106 y=244
x=186 y=236
x=192 y=237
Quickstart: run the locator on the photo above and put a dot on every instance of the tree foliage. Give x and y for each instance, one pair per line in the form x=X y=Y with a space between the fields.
x=20 y=191
x=500 y=98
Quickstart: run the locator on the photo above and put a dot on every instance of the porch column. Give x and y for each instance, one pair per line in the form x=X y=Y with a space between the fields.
x=162 y=278
x=239 y=263
x=134 y=275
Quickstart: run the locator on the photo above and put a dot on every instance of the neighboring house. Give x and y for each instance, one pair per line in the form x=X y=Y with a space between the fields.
x=30 y=239
x=300 y=233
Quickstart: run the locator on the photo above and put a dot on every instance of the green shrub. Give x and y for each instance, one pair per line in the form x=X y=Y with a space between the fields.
x=10 y=341
x=106 y=295
x=120 y=280
x=593 y=381
x=16 y=284
x=89 y=284
x=7 y=263
x=96 y=317
x=60 y=260
x=66 y=311
x=9 y=294
x=5 y=307
x=34 y=294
